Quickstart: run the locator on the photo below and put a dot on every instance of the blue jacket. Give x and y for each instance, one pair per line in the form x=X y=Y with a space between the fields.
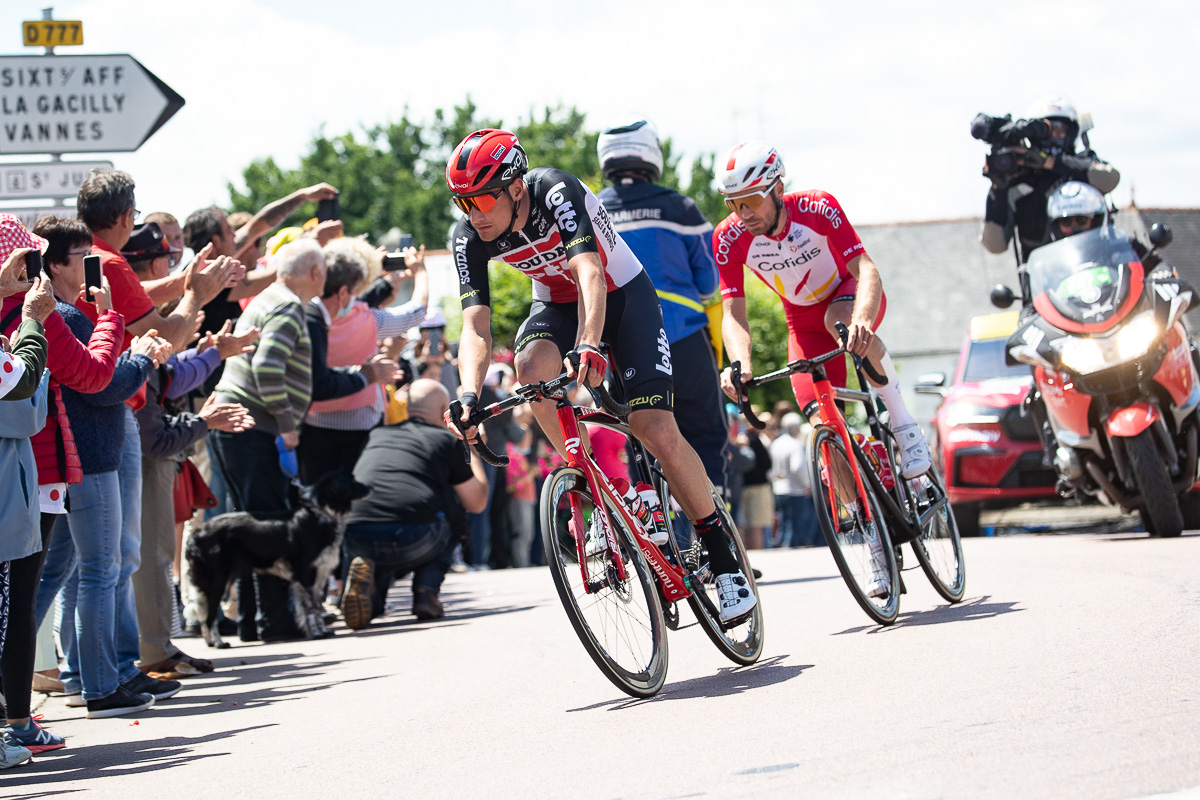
x=20 y=512
x=669 y=235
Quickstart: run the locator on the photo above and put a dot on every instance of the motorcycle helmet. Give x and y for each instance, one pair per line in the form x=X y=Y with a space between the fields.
x=632 y=146
x=750 y=165
x=486 y=161
x=1074 y=207
x=1064 y=120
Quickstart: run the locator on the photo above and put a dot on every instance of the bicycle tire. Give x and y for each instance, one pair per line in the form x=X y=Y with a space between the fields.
x=743 y=643
x=627 y=641
x=939 y=547
x=852 y=548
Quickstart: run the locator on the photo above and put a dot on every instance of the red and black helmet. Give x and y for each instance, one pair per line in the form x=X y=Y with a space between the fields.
x=485 y=161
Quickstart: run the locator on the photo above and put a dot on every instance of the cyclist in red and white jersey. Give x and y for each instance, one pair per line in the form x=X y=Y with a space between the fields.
x=804 y=248
x=588 y=287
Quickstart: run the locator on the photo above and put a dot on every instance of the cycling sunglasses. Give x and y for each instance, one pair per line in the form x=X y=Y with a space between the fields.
x=484 y=202
x=753 y=201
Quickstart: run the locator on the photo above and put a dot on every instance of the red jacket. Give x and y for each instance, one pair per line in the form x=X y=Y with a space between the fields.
x=84 y=367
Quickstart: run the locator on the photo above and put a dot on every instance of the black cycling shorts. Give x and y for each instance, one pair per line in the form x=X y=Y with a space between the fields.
x=633 y=330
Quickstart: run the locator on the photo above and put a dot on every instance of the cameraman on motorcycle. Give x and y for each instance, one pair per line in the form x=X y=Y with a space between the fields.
x=1029 y=158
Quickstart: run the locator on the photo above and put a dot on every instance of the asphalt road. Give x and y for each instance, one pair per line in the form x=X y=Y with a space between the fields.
x=1071 y=670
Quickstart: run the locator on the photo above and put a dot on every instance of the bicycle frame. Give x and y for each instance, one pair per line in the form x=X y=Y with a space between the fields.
x=671 y=579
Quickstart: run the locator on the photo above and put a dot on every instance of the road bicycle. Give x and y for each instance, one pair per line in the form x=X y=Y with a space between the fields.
x=619 y=589
x=866 y=513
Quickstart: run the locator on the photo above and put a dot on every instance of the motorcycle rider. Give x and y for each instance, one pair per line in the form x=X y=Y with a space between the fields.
x=673 y=240
x=1018 y=200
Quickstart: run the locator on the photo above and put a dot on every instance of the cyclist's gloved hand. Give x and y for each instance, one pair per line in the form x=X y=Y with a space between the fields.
x=468 y=400
x=586 y=364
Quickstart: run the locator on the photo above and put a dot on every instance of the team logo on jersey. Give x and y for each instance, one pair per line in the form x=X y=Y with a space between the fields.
x=664 y=350
x=503 y=244
x=460 y=259
x=725 y=242
x=562 y=208
x=821 y=208
x=629 y=373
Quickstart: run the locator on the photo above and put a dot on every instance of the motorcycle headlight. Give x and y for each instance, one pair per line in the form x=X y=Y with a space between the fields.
x=1137 y=336
x=1082 y=355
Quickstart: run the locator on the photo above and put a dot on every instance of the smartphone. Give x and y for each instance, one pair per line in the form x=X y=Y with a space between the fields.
x=93 y=275
x=435 y=340
x=33 y=264
x=406 y=240
x=328 y=209
x=393 y=262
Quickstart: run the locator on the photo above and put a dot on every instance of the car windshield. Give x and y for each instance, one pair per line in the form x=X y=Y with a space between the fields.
x=985 y=361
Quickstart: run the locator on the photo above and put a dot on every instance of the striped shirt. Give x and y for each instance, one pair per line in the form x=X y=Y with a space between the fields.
x=274 y=382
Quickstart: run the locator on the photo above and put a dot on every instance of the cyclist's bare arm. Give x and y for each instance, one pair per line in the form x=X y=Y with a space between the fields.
x=588 y=272
x=474 y=350
x=867 y=299
x=735 y=332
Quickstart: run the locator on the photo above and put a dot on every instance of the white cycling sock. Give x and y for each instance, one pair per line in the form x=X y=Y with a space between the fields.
x=891 y=397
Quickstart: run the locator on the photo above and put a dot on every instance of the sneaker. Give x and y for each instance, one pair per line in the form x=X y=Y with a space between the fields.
x=914 y=451
x=74 y=700
x=737 y=600
x=12 y=754
x=33 y=737
x=356 y=598
x=144 y=684
x=426 y=604
x=122 y=701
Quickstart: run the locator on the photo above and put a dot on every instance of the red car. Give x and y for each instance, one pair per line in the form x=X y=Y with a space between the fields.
x=987 y=450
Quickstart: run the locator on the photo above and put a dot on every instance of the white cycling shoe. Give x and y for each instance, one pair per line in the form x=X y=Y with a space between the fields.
x=736 y=596
x=879 y=585
x=914 y=451
x=594 y=542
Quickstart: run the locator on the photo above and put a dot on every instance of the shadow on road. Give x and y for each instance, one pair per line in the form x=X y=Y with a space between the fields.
x=727 y=681
x=978 y=608
x=114 y=760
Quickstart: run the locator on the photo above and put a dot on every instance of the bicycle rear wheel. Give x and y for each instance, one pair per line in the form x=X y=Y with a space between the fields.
x=741 y=643
x=862 y=550
x=939 y=547
x=621 y=623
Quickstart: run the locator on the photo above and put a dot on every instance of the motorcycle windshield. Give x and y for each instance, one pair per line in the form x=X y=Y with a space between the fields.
x=1088 y=279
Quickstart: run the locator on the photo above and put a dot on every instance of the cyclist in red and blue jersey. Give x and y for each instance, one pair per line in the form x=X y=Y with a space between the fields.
x=588 y=287
x=803 y=247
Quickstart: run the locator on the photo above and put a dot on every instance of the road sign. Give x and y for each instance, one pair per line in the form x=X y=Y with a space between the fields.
x=51 y=32
x=80 y=104
x=30 y=216
x=52 y=179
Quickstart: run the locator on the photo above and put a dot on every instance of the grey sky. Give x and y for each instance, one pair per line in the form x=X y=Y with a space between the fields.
x=870 y=101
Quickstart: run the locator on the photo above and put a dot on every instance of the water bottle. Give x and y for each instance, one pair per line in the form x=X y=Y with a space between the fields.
x=287 y=459
x=632 y=501
x=658 y=520
x=877 y=457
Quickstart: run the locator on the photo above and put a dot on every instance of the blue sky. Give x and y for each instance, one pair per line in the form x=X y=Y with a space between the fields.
x=870 y=101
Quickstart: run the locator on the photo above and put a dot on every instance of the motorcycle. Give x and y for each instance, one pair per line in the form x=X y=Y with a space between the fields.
x=1117 y=373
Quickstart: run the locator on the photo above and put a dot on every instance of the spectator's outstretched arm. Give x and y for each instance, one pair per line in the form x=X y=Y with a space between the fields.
x=473 y=492
x=272 y=215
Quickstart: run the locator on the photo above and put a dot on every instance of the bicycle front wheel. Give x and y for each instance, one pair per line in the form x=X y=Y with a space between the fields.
x=939 y=547
x=862 y=549
x=620 y=622
x=741 y=643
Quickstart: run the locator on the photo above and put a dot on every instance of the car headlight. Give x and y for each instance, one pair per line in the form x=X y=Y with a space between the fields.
x=1136 y=337
x=1082 y=355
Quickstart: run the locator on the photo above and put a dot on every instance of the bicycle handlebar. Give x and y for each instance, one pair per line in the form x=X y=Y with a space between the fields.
x=521 y=395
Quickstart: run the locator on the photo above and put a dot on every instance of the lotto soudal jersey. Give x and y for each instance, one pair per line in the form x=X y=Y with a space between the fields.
x=565 y=219
x=805 y=264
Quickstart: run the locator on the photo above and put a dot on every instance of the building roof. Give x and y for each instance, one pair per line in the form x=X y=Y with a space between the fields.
x=937 y=276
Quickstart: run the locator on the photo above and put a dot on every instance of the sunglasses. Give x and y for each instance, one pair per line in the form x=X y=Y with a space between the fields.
x=753 y=201
x=484 y=202
x=1076 y=223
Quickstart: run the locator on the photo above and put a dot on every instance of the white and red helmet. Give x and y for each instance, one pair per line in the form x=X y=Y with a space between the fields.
x=750 y=166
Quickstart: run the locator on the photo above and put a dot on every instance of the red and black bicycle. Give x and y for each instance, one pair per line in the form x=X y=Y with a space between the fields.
x=866 y=512
x=619 y=589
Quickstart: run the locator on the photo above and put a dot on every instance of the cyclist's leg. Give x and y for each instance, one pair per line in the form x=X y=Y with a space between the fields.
x=543 y=340
x=914 y=451
x=700 y=404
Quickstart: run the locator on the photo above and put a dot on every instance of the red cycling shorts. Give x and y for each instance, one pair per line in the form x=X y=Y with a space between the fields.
x=808 y=337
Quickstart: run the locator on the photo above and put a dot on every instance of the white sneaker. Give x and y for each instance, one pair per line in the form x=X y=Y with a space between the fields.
x=75 y=700
x=914 y=451
x=879 y=584
x=737 y=599
x=12 y=754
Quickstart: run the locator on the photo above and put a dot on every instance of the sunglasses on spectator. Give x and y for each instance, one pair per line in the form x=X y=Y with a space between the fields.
x=484 y=202
x=754 y=201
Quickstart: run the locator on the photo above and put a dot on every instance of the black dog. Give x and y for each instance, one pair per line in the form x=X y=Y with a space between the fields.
x=300 y=547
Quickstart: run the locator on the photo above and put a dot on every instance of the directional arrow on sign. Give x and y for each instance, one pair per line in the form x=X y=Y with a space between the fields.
x=80 y=104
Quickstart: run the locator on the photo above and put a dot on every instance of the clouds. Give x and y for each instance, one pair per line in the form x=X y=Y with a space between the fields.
x=870 y=101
